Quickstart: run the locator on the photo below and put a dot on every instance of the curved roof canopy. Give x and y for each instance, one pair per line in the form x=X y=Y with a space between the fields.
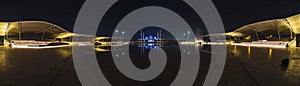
x=295 y=23
x=277 y=26
x=31 y=28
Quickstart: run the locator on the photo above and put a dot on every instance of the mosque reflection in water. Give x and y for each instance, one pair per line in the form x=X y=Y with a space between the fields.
x=262 y=63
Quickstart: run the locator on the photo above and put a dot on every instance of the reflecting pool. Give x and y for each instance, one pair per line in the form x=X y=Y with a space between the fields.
x=248 y=66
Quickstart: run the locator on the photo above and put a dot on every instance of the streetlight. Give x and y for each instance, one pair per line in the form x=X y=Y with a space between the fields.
x=184 y=36
x=188 y=35
x=123 y=36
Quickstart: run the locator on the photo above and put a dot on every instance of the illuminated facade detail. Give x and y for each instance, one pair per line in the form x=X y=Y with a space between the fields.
x=149 y=38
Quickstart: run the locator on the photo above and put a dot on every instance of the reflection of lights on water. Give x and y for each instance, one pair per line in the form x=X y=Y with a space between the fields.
x=101 y=50
x=2 y=61
x=293 y=68
x=149 y=46
x=65 y=52
x=235 y=50
x=249 y=51
x=292 y=51
x=270 y=52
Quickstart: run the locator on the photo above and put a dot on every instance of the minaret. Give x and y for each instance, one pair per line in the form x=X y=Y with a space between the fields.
x=157 y=35
x=160 y=34
x=141 y=35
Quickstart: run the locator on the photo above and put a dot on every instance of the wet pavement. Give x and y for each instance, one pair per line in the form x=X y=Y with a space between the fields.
x=245 y=66
x=37 y=67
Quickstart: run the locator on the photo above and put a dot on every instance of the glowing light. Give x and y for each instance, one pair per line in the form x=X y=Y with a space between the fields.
x=2 y=61
x=110 y=41
x=247 y=38
x=266 y=44
x=270 y=53
x=214 y=43
x=99 y=38
x=2 y=31
x=150 y=39
x=65 y=35
x=249 y=51
x=101 y=50
x=235 y=49
x=234 y=34
x=188 y=43
x=149 y=46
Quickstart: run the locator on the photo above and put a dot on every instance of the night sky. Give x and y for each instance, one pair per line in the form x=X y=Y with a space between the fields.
x=235 y=13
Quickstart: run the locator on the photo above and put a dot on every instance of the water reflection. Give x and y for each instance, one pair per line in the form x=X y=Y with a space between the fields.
x=150 y=45
x=102 y=48
x=187 y=48
x=264 y=61
x=64 y=52
x=249 y=51
x=3 y=60
x=270 y=52
x=293 y=69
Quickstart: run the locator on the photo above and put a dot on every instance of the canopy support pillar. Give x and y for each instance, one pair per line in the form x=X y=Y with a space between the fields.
x=291 y=29
x=256 y=32
x=19 y=28
x=43 y=35
x=7 y=29
x=278 y=31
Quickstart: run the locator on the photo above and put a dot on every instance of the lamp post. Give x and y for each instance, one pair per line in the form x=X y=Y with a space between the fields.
x=184 y=36
x=117 y=31
x=123 y=33
x=188 y=36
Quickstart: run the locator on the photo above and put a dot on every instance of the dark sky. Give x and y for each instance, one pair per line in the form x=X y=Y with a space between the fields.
x=235 y=13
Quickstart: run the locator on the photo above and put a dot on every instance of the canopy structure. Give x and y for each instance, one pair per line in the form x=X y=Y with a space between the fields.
x=278 y=33
x=277 y=29
x=37 y=30
x=295 y=23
